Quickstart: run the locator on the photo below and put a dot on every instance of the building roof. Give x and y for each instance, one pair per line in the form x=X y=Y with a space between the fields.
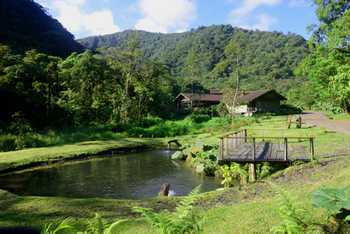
x=206 y=97
x=249 y=96
x=244 y=97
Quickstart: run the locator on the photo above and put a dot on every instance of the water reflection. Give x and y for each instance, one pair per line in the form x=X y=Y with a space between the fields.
x=131 y=176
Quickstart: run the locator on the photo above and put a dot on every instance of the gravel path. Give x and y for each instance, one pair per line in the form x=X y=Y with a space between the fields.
x=321 y=120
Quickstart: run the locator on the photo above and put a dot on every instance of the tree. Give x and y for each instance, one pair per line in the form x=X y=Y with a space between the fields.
x=30 y=84
x=327 y=13
x=327 y=65
x=87 y=87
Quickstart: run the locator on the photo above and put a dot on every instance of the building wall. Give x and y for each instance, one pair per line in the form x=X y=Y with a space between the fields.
x=267 y=105
x=241 y=109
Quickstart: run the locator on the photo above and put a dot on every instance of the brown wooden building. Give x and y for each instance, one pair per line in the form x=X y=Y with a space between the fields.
x=248 y=102
x=259 y=101
x=193 y=100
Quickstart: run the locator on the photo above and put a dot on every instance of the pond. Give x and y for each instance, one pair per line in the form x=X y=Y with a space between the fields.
x=127 y=176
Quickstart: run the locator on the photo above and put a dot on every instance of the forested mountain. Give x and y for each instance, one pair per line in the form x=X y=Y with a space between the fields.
x=26 y=25
x=209 y=54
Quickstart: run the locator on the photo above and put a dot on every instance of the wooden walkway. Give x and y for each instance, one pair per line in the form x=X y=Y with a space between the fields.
x=238 y=147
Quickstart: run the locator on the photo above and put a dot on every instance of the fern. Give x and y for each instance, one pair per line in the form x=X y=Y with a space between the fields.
x=183 y=220
x=95 y=226
x=294 y=220
x=63 y=227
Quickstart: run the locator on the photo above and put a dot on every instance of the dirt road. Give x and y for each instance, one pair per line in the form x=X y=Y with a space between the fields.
x=321 y=120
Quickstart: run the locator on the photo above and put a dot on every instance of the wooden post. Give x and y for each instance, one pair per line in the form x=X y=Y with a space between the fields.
x=285 y=149
x=254 y=150
x=252 y=172
x=312 y=148
x=236 y=139
x=221 y=156
x=245 y=136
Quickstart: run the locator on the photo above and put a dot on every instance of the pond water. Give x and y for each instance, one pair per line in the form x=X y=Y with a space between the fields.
x=129 y=176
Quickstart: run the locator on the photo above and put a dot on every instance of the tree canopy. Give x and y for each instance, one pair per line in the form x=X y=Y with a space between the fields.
x=327 y=66
x=203 y=55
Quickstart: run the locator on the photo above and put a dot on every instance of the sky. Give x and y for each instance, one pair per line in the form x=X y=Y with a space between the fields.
x=98 y=17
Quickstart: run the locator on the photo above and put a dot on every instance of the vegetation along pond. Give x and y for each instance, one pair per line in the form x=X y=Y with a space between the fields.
x=127 y=176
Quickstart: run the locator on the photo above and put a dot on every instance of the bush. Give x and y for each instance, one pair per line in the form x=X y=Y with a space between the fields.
x=234 y=172
x=207 y=159
x=7 y=143
x=200 y=118
x=150 y=121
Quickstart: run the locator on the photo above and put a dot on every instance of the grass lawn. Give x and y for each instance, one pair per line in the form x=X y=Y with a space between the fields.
x=254 y=209
x=14 y=159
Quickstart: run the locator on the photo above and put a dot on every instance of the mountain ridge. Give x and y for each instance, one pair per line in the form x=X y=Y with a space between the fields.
x=199 y=54
x=26 y=25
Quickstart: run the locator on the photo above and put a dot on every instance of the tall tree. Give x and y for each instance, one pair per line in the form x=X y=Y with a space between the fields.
x=328 y=64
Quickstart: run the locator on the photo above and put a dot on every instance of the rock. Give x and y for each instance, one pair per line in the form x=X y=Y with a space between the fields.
x=178 y=155
x=164 y=190
x=200 y=168
x=193 y=150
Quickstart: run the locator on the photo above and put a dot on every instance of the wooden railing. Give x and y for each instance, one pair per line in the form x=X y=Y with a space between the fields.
x=235 y=138
x=232 y=141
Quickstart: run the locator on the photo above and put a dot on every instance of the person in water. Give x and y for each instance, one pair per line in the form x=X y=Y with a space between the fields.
x=165 y=191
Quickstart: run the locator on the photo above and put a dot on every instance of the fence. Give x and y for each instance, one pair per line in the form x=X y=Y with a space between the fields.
x=239 y=146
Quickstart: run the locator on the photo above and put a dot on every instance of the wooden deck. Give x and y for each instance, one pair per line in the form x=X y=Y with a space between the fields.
x=238 y=147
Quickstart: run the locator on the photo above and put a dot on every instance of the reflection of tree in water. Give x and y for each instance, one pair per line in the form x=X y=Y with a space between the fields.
x=135 y=175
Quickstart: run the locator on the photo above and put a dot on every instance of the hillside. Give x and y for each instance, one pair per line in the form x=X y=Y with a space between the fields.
x=206 y=53
x=25 y=25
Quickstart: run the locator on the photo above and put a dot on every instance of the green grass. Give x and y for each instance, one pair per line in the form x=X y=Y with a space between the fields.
x=149 y=128
x=24 y=157
x=254 y=209
x=327 y=143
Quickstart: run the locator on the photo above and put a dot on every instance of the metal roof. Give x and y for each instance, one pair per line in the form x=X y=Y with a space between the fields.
x=244 y=97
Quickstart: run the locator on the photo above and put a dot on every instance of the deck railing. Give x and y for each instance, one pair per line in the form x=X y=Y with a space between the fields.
x=238 y=146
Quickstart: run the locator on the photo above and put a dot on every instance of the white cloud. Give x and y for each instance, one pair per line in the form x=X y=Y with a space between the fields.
x=264 y=21
x=71 y=14
x=250 y=5
x=299 y=3
x=242 y=16
x=166 y=16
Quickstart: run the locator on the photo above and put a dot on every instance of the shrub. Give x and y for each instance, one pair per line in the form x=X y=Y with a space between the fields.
x=200 y=118
x=337 y=202
x=207 y=159
x=7 y=143
x=150 y=121
x=137 y=132
x=231 y=174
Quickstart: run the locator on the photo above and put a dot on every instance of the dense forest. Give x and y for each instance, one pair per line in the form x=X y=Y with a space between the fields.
x=207 y=55
x=128 y=76
x=26 y=25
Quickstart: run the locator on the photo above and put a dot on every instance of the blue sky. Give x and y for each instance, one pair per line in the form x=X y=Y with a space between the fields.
x=96 y=17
